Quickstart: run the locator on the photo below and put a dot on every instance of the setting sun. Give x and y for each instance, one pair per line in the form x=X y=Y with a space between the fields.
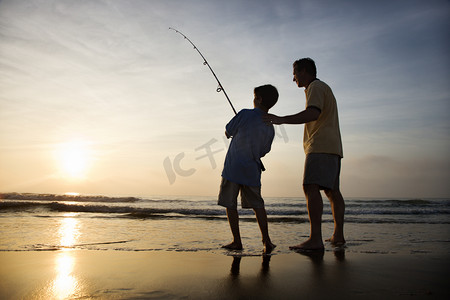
x=73 y=159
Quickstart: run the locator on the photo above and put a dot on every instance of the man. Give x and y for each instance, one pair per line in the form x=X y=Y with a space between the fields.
x=323 y=149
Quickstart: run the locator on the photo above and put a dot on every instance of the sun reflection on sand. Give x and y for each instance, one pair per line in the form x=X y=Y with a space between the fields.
x=66 y=285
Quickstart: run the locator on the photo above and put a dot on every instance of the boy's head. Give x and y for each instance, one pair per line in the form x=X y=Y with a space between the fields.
x=265 y=96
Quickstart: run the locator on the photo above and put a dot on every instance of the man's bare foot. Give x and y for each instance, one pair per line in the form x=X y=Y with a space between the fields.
x=268 y=247
x=336 y=241
x=233 y=246
x=309 y=245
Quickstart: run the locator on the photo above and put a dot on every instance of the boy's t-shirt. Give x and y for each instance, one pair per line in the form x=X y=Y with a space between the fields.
x=252 y=139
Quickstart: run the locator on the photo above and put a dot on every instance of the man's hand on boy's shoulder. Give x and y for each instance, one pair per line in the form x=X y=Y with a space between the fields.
x=272 y=119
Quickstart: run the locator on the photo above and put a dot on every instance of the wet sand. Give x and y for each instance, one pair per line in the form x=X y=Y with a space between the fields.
x=202 y=275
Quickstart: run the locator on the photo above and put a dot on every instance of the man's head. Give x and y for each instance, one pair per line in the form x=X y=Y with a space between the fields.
x=304 y=71
x=265 y=96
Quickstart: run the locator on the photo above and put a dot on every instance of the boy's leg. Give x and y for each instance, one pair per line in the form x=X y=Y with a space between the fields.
x=261 y=217
x=233 y=220
x=228 y=198
x=251 y=198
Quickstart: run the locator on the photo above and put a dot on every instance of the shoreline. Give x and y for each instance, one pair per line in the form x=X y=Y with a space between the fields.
x=109 y=274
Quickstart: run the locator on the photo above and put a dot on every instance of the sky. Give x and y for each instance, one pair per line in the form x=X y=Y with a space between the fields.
x=100 y=97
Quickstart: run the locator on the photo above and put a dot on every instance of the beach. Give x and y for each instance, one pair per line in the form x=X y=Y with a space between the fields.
x=89 y=274
x=96 y=247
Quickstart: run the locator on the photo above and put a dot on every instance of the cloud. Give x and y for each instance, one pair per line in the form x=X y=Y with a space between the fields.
x=111 y=72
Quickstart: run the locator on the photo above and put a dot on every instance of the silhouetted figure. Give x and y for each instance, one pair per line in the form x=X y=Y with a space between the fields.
x=251 y=140
x=323 y=149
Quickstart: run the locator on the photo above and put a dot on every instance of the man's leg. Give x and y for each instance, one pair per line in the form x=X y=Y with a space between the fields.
x=261 y=217
x=338 y=209
x=315 y=210
x=233 y=220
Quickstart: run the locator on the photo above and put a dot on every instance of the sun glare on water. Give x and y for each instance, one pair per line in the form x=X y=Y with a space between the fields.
x=74 y=158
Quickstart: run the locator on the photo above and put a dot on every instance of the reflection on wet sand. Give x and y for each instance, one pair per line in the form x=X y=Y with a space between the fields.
x=66 y=285
x=317 y=256
x=236 y=266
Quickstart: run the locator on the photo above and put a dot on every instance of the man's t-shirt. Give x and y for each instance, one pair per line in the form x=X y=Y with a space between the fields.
x=252 y=139
x=322 y=135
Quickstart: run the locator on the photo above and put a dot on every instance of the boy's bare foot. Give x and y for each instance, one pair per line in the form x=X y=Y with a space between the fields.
x=233 y=246
x=336 y=241
x=309 y=245
x=268 y=248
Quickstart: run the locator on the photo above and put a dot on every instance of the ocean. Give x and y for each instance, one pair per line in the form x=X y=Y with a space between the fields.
x=48 y=222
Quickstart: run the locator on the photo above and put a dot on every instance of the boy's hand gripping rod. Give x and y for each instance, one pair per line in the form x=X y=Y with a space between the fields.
x=205 y=62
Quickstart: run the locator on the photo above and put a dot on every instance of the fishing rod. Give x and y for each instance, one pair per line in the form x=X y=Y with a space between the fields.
x=219 y=87
x=205 y=62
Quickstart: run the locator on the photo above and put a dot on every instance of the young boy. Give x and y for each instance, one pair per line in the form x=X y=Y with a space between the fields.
x=252 y=139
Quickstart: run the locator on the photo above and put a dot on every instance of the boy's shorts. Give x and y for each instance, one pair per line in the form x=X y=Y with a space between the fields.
x=322 y=169
x=250 y=195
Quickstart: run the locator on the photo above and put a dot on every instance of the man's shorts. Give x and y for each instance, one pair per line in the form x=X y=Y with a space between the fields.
x=322 y=169
x=250 y=195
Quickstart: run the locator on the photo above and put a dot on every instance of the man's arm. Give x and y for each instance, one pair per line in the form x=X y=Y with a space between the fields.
x=308 y=115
